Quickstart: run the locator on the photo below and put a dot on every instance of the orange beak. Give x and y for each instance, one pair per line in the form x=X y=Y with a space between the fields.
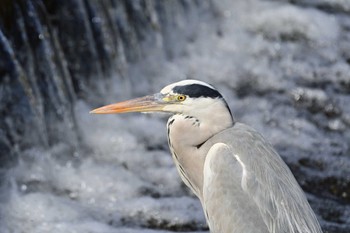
x=149 y=103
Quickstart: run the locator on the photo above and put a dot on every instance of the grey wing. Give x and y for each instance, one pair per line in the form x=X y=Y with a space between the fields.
x=227 y=206
x=272 y=195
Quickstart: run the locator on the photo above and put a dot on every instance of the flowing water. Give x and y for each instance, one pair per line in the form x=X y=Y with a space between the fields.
x=282 y=66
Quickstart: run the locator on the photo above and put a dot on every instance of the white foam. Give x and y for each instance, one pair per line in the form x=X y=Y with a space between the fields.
x=294 y=23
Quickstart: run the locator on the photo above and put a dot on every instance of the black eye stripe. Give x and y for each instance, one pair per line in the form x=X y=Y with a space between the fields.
x=197 y=90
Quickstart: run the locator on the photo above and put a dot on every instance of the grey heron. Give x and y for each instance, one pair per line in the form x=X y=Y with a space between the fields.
x=242 y=183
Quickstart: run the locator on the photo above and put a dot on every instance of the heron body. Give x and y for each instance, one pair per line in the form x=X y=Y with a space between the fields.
x=241 y=181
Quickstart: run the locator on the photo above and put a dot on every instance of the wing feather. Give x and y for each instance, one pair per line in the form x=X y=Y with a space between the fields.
x=228 y=208
x=261 y=179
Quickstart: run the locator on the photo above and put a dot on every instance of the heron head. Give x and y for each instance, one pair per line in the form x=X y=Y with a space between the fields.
x=188 y=97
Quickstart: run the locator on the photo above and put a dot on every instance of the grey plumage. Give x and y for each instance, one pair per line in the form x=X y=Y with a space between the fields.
x=243 y=184
x=263 y=192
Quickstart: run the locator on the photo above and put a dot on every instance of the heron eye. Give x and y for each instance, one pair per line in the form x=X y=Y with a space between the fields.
x=181 y=97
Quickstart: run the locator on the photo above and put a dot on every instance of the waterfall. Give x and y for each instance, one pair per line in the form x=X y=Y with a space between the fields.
x=55 y=52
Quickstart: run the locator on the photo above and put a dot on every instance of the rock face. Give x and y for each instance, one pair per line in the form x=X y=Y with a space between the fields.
x=284 y=68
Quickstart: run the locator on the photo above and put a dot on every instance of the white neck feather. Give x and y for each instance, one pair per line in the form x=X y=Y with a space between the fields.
x=197 y=125
x=188 y=131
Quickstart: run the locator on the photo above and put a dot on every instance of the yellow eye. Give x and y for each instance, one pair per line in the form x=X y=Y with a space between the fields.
x=181 y=97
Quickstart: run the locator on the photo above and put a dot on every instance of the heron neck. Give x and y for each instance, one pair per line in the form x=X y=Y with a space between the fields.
x=186 y=135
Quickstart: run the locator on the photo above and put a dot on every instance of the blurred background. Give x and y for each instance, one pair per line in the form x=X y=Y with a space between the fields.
x=283 y=67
